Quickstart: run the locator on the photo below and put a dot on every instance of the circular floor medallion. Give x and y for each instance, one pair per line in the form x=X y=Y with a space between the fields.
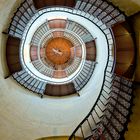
x=58 y=50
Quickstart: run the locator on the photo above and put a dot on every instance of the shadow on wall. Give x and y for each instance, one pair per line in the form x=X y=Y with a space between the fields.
x=135 y=21
x=125 y=50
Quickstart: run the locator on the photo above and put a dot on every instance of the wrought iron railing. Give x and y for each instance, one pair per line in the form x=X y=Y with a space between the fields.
x=95 y=21
x=111 y=111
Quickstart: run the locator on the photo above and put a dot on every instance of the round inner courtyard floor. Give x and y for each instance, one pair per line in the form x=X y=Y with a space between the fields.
x=58 y=50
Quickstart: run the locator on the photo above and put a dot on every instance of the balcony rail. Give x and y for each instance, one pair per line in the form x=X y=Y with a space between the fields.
x=94 y=20
x=30 y=82
x=21 y=18
x=82 y=79
x=101 y=26
x=45 y=67
x=110 y=113
x=112 y=109
x=103 y=10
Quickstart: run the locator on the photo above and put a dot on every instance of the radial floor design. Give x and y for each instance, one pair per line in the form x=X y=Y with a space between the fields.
x=58 y=50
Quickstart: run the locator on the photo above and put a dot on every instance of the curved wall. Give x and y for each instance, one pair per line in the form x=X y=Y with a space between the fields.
x=24 y=115
x=14 y=125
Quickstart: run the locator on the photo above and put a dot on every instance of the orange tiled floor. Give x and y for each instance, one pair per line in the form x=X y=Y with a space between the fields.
x=58 y=50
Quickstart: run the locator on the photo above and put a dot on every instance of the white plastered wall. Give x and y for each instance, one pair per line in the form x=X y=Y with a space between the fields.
x=23 y=115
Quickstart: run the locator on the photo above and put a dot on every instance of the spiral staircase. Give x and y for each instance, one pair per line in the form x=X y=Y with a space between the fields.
x=109 y=115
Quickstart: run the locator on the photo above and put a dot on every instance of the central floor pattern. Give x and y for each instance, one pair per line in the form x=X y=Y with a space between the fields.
x=58 y=50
